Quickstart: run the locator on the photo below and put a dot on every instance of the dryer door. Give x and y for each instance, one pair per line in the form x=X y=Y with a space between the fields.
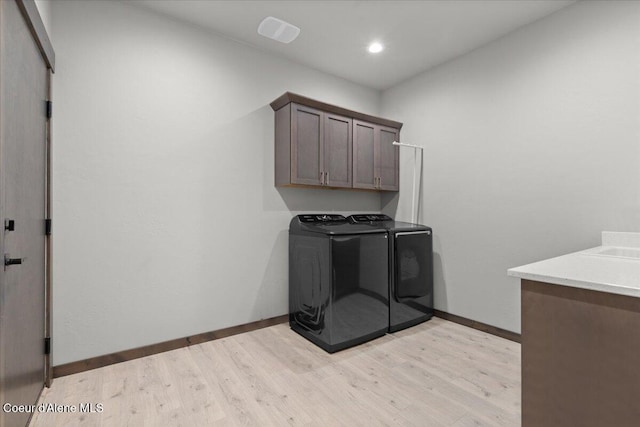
x=413 y=275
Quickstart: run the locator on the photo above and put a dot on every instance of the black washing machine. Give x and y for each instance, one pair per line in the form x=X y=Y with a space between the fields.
x=410 y=269
x=338 y=280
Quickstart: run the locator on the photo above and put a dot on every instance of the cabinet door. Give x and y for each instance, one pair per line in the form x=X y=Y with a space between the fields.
x=337 y=150
x=364 y=142
x=388 y=159
x=306 y=145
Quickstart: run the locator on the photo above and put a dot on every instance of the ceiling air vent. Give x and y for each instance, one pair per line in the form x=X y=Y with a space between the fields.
x=278 y=30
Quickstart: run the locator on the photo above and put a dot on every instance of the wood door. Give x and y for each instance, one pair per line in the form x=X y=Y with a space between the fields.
x=23 y=150
x=364 y=142
x=388 y=159
x=306 y=145
x=337 y=150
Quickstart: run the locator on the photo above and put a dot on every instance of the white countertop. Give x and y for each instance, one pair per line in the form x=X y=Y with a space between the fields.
x=593 y=268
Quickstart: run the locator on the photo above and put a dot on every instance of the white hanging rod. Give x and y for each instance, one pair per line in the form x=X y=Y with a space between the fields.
x=407 y=145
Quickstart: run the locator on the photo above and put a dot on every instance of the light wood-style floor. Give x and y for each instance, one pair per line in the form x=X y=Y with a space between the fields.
x=435 y=374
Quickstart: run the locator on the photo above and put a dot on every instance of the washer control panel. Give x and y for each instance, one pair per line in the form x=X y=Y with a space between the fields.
x=321 y=218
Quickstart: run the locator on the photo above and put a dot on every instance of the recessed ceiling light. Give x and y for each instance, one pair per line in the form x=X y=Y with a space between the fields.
x=278 y=30
x=375 y=47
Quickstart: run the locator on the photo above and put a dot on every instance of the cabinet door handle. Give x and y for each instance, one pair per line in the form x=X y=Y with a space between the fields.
x=379 y=182
x=326 y=178
x=321 y=178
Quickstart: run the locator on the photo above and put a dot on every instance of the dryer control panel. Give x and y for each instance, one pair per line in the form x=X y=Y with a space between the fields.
x=364 y=218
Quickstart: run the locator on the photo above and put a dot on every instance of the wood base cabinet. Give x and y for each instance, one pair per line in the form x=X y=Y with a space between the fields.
x=580 y=357
x=321 y=145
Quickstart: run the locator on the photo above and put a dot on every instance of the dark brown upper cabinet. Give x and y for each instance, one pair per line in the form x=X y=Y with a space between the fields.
x=320 y=147
x=338 y=149
x=307 y=158
x=318 y=144
x=375 y=158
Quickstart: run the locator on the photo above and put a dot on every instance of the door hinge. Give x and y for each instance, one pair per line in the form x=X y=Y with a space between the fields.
x=49 y=109
x=47 y=345
x=47 y=226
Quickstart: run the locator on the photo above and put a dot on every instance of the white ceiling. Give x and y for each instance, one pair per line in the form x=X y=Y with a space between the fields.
x=334 y=35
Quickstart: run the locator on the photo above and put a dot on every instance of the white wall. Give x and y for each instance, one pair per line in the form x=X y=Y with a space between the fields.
x=166 y=219
x=532 y=148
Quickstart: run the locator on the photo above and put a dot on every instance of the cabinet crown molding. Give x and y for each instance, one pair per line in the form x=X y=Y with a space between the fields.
x=289 y=97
